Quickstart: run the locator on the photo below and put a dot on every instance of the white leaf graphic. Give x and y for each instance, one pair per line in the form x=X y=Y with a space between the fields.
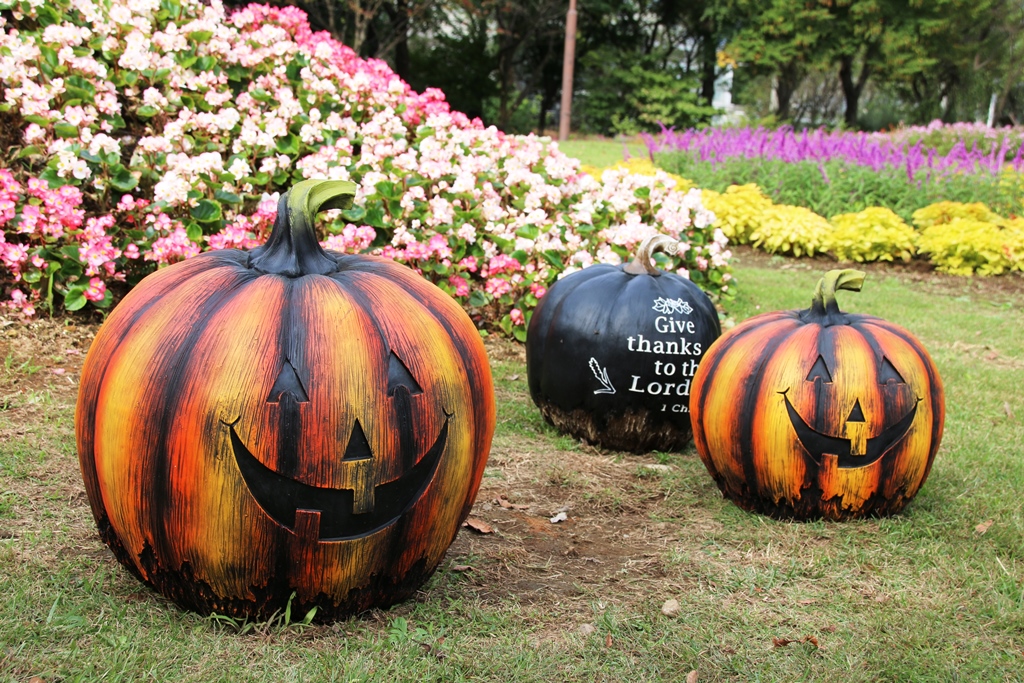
x=602 y=376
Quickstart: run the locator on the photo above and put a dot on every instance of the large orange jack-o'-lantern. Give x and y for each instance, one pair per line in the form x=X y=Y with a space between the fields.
x=818 y=413
x=287 y=420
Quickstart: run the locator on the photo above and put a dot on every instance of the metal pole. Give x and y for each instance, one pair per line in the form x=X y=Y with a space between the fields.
x=567 y=62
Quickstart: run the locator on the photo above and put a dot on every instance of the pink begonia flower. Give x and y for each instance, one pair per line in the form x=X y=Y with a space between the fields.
x=538 y=290
x=460 y=284
x=497 y=287
x=175 y=247
x=96 y=290
x=502 y=263
x=516 y=316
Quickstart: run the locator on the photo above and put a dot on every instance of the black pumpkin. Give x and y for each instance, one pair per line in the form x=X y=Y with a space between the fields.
x=611 y=352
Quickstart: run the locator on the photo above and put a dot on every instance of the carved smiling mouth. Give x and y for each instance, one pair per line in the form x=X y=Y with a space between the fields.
x=336 y=514
x=850 y=453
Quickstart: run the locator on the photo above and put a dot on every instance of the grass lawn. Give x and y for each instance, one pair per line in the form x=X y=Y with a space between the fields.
x=936 y=593
x=602 y=152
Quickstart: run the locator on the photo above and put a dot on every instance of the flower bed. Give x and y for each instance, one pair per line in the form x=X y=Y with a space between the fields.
x=843 y=172
x=957 y=238
x=149 y=131
x=915 y=150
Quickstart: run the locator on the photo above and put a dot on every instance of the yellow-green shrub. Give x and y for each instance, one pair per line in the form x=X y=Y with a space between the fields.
x=738 y=210
x=791 y=229
x=946 y=212
x=965 y=246
x=874 y=234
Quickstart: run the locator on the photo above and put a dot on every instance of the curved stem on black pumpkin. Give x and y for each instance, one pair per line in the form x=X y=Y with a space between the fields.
x=641 y=263
x=824 y=302
x=292 y=248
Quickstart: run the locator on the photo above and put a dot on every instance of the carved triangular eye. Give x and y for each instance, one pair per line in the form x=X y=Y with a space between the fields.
x=358 y=447
x=819 y=370
x=399 y=376
x=887 y=372
x=856 y=415
x=288 y=382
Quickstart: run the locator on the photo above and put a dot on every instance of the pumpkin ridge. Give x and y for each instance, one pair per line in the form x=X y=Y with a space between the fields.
x=358 y=284
x=101 y=381
x=936 y=391
x=546 y=322
x=160 y=462
x=711 y=362
x=750 y=403
x=592 y=276
x=91 y=381
x=288 y=433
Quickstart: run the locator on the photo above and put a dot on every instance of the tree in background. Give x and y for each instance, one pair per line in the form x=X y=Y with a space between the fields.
x=780 y=39
x=645 y=63
x=961 y=54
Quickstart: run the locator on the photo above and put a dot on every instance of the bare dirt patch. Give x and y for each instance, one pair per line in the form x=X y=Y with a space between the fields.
x=562 y=530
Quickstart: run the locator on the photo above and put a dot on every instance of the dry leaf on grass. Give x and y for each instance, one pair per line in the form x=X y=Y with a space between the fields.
x=783 y=642
x=503 y=502
x=478 y=525
x=461 y=568
x=691 y=677
x=670 y=608
x=983 y=527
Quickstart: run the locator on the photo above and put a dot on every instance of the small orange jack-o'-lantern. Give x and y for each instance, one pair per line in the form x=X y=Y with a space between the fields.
x=288 y=420
x=818 y=413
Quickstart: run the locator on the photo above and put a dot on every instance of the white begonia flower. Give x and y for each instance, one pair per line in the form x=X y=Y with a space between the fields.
x=239 y=168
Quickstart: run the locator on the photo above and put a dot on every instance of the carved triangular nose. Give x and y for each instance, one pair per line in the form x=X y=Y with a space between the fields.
x=288 y=382
x=856 y=415
x=358 y=447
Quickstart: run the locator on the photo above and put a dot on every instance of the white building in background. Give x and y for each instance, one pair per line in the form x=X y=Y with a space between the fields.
x=730 y=114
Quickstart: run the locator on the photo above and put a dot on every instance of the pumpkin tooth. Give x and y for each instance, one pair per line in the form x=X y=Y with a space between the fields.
x=307 y=524
x=857 y=433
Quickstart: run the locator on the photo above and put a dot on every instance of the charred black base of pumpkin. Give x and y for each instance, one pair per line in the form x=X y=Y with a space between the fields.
x=812 y=506
x=182 y=587
x=633 y=431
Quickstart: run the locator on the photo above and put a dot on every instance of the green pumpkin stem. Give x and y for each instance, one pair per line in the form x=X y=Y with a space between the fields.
x=641 y=263
x=292 y=248
x=824 y=302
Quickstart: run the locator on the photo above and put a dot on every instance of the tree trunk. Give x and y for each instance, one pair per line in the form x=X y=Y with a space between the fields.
x=400 y=28
x=852 y=88
x=787 y=81
x=709 y=62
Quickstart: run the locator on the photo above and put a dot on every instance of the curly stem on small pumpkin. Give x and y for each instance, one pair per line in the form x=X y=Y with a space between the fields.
x=824 y=301
x=641 y=263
